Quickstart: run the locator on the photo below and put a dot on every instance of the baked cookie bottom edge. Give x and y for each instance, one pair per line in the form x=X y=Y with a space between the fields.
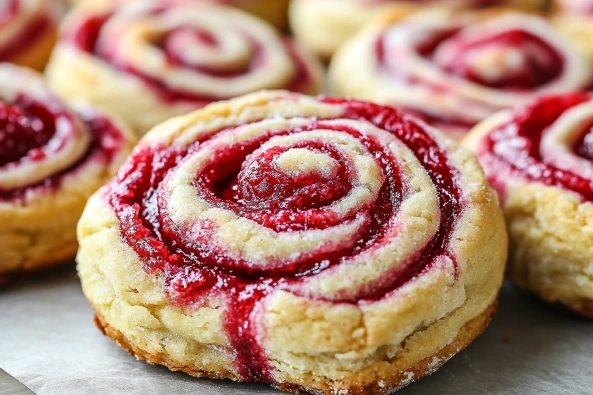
x=582 y=306
x=470 y=331
x=39 y=265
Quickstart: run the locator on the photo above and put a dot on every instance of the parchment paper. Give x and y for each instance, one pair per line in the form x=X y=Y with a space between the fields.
x=48 y=341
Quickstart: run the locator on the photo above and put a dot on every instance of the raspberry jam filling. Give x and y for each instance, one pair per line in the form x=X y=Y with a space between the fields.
x=175 y=45
x=246 y=178
x=515 y=146
x=35 y=30
x=26 y=128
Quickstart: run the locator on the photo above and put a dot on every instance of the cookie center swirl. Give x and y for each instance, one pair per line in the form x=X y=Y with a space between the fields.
x=461 y=67
x=22 y=133
x=513 y=59
x=39 y=137
x=203 y=49
x=295 y=177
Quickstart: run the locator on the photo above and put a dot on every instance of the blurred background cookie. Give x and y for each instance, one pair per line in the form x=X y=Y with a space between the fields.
x=149 y=66
x=455 y=68
x=324 y=25
x=28 y=31
x=52 y=158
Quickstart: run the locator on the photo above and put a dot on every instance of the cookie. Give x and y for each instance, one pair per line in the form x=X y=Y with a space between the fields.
x=323 y=245
x=52 y=158
x=454 y=69
x=538 y=157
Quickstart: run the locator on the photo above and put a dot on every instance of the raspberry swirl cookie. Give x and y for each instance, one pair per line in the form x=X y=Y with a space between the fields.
x=151 y=60
x=324 y=25
x=28 y=31
x=52 y=158
x=454 y=69
x=314 y=244
x=539 y=158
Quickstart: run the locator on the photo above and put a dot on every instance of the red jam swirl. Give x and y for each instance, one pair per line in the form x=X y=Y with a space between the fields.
x=242 y=179
x=26 y=127
x=35 y=30
x=515 y=147
x=460 y=55
x=86 y=36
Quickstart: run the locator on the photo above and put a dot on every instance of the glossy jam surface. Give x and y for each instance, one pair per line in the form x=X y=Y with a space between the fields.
x=86 y=35
x=515 y=146
x=33 y=32
x=26 y=127
x=244 y=179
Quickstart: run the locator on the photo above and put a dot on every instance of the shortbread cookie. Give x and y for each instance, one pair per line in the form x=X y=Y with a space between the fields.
x=323 y=245
x=538 y=157
x=52 y=158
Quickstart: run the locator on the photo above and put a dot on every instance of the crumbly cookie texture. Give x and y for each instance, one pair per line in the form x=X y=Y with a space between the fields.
x=41 y=232
x=374 y=379
x=551 y=234
x=314 y=345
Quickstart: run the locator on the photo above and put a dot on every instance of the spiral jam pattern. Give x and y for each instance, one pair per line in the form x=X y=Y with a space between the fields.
x=41 y=140
x=23 y=23
x=455 y=69
x=190 y=51
x=320 y=202
x=549 y=141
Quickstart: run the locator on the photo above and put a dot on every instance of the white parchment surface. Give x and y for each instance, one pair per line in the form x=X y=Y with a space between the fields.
x=48 y=341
